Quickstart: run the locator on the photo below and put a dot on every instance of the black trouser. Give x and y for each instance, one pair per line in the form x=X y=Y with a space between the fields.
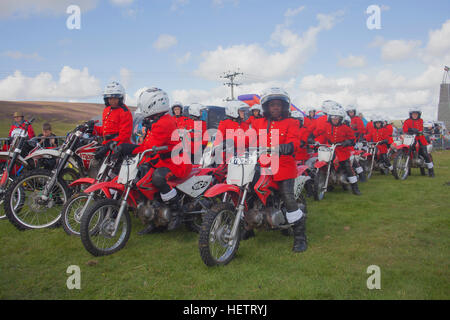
x=424 y=153
x=159 y=179
x=347 y=168
x=287 y=194
x=384 y=158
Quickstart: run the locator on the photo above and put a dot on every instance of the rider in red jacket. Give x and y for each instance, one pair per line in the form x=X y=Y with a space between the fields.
x=336 y=132
x=117 y=120
x=277 y=124
x=381 y=134
x=414 y=125
x=302 y=152
x=356 y=123
x=161 y=131
x=255 y=114
x=197 y=131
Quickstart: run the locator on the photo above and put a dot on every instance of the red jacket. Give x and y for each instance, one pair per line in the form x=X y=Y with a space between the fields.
x=288 y=132
x=377 y=135
x=302 y=152
x=181 y=122
x=369 y=127
x=417 y=124
x=318 y=127
x=22 y=125
x=337 y=134
x=251 y=119
x=117 y=121
x=200 y=135
x=229 y=124
x=358 y=126
x=161 y=135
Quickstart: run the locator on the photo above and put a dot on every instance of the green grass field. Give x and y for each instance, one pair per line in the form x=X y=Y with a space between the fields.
x=400 y=226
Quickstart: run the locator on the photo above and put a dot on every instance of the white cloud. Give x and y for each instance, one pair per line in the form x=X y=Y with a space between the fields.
x=293 y=12
x=176 y=4
x=221 y=3
x=254 y=59
x=121 y=2
x=353 y=62
x=395 y=50
x=24 y=8
x=437 y=50
x=19 y=55
x=72 y=84
x=165 y=41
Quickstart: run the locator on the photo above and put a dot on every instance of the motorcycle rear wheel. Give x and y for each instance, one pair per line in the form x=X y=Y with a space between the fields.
x=215 y=248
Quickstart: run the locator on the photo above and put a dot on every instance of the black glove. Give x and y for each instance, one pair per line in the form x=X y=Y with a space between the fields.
x=143 y=170
x=413 y=131
x=286 y=149
x=347 y=143
x=385 y=141
x=124 y=149
x=80 y=127
x=90 y=126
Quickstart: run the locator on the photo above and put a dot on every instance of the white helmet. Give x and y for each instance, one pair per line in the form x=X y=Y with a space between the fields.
x=275 y=94
x=176 y=104
x=297 y=115
x=351 y=108
x=415 y=109
x=311 y=109
x=256 y=107
x=153 y=101
x=334 y=109
x=378 y=118
x=232 y=108
x=195 y=109
x=114 y=90
x=327 y=105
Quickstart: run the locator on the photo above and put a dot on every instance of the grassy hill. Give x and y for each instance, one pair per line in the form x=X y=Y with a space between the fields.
x=63 y=116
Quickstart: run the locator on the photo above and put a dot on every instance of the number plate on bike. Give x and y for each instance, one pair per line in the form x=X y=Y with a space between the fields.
x=409 y=139
x=128 y=170
x=241 y=170
x=324 y=154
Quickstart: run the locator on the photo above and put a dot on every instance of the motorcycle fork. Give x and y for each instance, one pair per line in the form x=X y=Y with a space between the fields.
x=328 y=174
x=239 y=215
x=55 y=173
x=123 y=206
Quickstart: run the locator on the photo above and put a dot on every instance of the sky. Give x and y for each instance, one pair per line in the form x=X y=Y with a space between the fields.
x=315 y=50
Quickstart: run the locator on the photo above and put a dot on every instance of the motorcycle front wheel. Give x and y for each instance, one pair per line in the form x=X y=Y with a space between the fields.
x=319 y=185
x=97 y=226
x=401 y=169
x=216 y=248
x=27 y=209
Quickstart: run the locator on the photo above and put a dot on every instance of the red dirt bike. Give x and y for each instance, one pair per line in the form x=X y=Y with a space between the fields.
x=43 y=192
x=244 y=207
x=74 y=208
x=328 y=173
x=370 y=160
x=106 y=224
x=408 y=157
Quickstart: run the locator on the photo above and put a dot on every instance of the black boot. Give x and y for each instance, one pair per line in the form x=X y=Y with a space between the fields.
x=355 y=189
x=300 y=241
x=431 y=173
x=362 y=177
x=247 y=234
x=150 y=228
x=176 y=211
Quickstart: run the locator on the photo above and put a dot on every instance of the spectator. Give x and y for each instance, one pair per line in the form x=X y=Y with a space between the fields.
x=19 y=122
x=47 y=132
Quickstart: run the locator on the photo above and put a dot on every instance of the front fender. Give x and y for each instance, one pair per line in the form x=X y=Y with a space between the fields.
x=320 y=164
x=301 y=169
x=44 y=153
x=106 y=186
x=4 y=155
x=220 y=189
x=82 y=181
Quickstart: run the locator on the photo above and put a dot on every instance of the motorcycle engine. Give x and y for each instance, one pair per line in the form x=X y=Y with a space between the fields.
x=146 y=212
x=155 y=212
x=268 y=217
